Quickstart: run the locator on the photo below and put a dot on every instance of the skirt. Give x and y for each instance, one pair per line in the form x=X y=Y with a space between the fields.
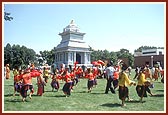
x=17 y=86
x=67 y=88
x=55 y=84
x=123 y=92
x=90 y=84
x=24 y=90
x=141 y=91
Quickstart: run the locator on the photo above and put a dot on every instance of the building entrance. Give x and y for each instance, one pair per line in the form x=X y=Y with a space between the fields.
x=78 y=58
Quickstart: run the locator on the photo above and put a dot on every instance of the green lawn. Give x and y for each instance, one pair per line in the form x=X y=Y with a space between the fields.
x=81 y=100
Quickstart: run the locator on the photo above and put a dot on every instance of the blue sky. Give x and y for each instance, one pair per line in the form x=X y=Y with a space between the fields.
x=111 y=26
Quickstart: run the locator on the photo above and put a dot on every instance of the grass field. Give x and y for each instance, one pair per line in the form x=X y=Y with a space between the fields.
x=82 y=101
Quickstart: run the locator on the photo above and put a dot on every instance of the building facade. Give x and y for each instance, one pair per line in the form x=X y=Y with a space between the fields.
x=150 y=57
x=72 y=47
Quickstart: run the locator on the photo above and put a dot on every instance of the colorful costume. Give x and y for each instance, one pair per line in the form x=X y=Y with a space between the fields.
x=124 y=81
x=68 y=84
x=46 y=74
x=156 y=74
x=7 y=71
x=140 y=88
x=40 y=83
x=17 y=82
x=90 y=83
x=55 y=82
x=27 y=83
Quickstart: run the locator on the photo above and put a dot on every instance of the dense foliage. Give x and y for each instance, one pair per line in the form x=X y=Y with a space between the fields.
x=17 y=55
x=147 y=47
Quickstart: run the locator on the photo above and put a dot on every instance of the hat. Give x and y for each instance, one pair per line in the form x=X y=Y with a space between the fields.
x=7 y=65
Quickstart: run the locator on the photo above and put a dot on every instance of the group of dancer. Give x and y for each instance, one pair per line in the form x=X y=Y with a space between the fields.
x=116 y=75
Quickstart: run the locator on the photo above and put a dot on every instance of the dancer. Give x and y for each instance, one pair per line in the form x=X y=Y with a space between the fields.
x=45 y=74
x=40 y=84
x=142 y=85
x=124 y=81
x=27 y=83
x=68 y=83
x=90 y=77
x=17 y=81
x=55 y=80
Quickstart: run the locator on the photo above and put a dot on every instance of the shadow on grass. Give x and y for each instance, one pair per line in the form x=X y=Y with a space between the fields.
x=55 y=96
x=8 y=95
x=8 y=85
x=17 y=100
x=158 y=95
x=160 y=90
x=111 y=105
x=81 y=92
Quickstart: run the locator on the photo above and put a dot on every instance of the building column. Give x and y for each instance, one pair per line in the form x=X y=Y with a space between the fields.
x=74 y=56
x=85 y=58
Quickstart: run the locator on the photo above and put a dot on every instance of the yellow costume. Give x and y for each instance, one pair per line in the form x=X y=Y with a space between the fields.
x=124 y=80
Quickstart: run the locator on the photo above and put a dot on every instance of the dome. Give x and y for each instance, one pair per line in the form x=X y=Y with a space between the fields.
x=71 y=27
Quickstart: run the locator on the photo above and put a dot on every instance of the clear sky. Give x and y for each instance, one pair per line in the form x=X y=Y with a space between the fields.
x=110 y=26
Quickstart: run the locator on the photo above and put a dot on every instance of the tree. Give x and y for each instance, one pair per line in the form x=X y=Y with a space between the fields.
x=47 y=56
x=7 y=16
x=18 y=56
x=146 y=47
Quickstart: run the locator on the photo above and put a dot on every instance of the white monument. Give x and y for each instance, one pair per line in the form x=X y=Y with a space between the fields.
x=72 y=48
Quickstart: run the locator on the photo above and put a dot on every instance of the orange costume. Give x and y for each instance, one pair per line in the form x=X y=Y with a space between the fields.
x=90 y=83
x=148 y=73
x=7 y=71
x=156 y=74
x=27 y=82
x=68 y=83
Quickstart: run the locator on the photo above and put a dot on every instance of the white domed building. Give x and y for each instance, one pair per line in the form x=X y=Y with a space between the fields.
x=72 y=47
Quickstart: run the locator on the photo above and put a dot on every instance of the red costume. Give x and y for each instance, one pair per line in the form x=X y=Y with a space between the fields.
x=27 y=83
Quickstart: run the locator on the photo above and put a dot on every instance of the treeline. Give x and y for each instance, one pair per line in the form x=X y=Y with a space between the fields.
x=19 y=56
x=147 y=47
x=114 y=56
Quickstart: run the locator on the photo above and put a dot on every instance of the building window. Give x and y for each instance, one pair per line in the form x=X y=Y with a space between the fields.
x=160 y=53
x=61 y=57
x=66 y=56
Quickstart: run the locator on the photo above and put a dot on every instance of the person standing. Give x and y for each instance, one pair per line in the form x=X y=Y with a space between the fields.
x=7 y=71
x=109 y=73
x=17 y=82
x=40 y=84
x=46 y=74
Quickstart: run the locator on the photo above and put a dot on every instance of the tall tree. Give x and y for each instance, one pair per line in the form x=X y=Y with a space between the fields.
x=18 y=56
